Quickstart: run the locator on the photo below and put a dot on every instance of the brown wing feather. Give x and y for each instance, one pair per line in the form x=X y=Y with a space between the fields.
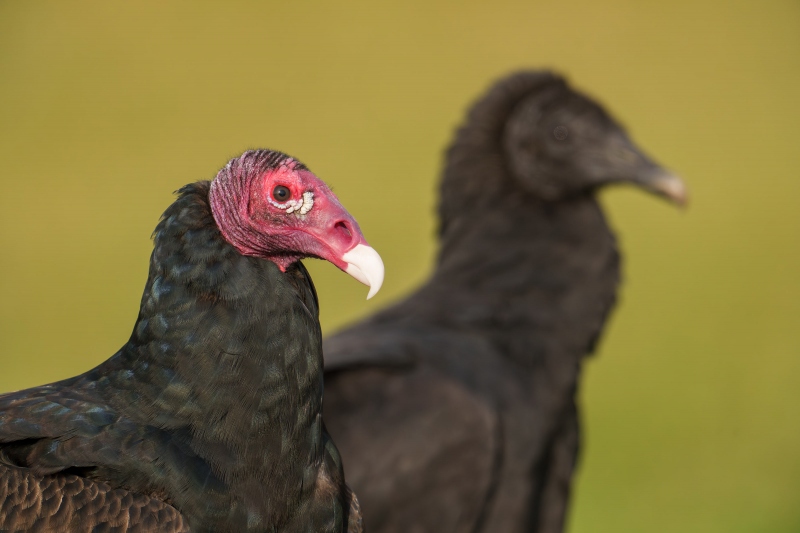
x=355 y=521
x=61 y=503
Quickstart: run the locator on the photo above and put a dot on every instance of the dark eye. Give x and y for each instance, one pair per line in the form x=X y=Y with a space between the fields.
x=281 y=193
x=560 y=133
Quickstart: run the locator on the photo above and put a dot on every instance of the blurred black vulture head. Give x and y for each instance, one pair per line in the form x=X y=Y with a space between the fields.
x=533 y=135
x=560 y=142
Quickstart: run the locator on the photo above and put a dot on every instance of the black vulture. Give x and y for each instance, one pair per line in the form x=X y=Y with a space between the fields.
x=210 y=417
x=455 y=409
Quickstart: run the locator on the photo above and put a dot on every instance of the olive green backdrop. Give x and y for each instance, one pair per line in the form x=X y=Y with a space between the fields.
x=690 y=406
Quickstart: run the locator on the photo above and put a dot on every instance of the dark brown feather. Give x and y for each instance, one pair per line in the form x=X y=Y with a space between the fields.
x=67 y=502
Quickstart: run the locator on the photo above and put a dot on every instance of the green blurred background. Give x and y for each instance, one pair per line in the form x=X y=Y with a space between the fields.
x=690 y=406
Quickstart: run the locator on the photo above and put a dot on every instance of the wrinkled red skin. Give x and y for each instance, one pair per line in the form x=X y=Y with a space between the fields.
x=246 y=218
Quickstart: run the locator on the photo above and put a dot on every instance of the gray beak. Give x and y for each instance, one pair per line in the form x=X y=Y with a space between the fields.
x=666 y=184
x=623 y=162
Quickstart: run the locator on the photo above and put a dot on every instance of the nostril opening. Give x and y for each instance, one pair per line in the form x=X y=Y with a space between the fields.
x=344 y=233
x=341 y=226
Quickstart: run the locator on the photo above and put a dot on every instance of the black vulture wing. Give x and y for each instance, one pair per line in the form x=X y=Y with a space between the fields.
x=406 y=431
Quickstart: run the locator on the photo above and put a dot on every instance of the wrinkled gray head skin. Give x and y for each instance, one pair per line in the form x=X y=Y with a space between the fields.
x=560 y=142
x=553 y=143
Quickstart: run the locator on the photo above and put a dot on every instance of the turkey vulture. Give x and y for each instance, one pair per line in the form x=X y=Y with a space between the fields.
x=209 y=417
x=455 y=408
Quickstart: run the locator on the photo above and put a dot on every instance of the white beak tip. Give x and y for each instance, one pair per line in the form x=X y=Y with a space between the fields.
x=672 y=187
x=364 y=264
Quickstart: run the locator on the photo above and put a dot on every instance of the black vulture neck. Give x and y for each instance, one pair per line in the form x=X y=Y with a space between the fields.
x=539 y=276
x=228 y=348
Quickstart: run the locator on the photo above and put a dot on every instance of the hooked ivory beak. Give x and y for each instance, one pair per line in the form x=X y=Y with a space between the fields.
x=364 y=264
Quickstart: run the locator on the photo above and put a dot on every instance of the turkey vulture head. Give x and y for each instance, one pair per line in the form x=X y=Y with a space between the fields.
x=559 y=142
x=269 y=205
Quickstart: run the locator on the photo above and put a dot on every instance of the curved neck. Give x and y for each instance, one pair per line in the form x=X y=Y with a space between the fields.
x=227 y=348
x=537 y=277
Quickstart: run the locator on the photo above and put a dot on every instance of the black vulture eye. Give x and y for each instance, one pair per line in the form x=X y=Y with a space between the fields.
x=281 y=193
x=560 y=133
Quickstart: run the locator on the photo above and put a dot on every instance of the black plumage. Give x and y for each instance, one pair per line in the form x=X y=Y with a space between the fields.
x=208 y=418
x=455 y=408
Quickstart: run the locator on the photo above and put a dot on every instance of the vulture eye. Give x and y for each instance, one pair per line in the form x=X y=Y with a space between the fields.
x=560 y=133
x=281 y=193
